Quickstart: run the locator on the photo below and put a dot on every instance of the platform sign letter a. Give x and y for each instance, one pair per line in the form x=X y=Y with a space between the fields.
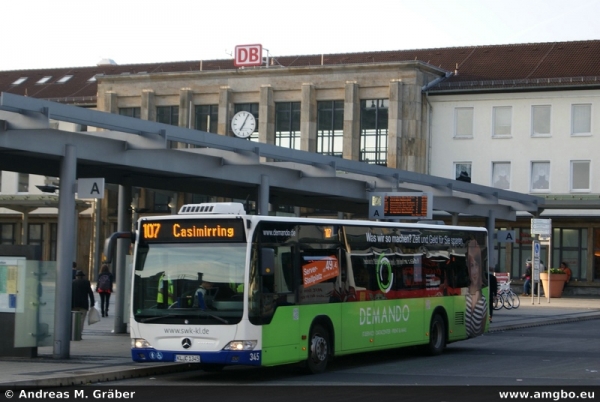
x=90 y=188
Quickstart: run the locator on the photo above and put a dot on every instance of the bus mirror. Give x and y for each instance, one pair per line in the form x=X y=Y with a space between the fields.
x=267 y=261
x=111 y=242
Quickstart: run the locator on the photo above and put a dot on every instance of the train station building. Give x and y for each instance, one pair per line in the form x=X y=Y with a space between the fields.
x=497 y=120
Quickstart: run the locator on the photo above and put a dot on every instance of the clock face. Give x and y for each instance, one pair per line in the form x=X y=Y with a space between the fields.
x=243 y=124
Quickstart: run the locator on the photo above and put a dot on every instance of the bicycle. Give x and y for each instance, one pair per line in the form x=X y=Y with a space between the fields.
x=509 y=298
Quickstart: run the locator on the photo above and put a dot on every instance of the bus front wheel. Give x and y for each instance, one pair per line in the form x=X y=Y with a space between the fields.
x=318 y=353
x=437 y=336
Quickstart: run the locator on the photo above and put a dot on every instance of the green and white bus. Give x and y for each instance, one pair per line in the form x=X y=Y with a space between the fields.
x=215 y=286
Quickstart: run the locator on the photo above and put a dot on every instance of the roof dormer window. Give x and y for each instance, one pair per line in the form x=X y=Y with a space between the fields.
x=20 y=81
x=44 y=80
x=64 y=79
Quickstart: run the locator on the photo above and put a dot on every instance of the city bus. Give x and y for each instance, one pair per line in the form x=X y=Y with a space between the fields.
x=215 y=286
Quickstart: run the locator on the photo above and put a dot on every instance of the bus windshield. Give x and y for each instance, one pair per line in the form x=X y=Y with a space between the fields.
x=189 y=283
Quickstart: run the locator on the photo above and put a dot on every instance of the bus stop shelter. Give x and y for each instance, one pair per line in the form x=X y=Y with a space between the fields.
x=130 y=152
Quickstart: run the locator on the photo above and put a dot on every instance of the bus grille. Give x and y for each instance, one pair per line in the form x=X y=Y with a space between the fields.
x=459 y=318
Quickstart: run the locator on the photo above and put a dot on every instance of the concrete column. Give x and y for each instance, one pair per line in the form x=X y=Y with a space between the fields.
x=148 y=108
x=263 y=195
x=64 y=254
x=186 y=108
x=351 y=121
x=266 y=116
x=111 y=104
x=491 y=225
x=308 y=118
x=414 y=144
x=225 y=111
x=123 y=225
x=394 y=150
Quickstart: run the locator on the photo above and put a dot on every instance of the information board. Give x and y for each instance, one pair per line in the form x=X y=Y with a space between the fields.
x=400 y=206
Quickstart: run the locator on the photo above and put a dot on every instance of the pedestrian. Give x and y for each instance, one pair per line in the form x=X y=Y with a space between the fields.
x=104 y=287
x=493 y=284
x=74 y=270
x=82 y=297
x=527 y=277
x=565 y=267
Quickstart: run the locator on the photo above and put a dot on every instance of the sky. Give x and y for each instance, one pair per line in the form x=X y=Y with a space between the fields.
x=76 y=33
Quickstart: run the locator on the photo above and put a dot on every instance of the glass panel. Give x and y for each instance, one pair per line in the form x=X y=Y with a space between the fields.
x=502 y=120
x=463 y=122
x=161 y=202
x=168 y=115
x=540 y=175
x=130 y=111
x=501 y=175
x=34 y=320
x=23 y=185
x=34 y=233
x=581 y=119
x=540 y=120
x=374 y=131
x=7 y=233
x=64 y=79
x=207 y=117
x=44 y=79
x=330 y=125
x=287 y=124
x=462 y=171
x=580 y=178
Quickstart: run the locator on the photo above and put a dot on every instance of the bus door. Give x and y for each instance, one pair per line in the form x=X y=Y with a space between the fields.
x=280 y=310
x=357 y=310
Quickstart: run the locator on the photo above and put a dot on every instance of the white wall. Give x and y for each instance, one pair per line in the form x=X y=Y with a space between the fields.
x=520 y=149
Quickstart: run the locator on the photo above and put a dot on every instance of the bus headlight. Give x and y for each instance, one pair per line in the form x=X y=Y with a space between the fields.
x=240 y=345
x=140 y=343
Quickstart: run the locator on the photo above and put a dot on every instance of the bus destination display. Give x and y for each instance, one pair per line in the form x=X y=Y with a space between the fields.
x=192 y=230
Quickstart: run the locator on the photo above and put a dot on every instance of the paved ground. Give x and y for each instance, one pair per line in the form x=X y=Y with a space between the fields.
x=104 y=356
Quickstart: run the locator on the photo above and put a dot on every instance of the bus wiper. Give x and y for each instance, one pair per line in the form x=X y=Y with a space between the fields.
x=216 y=317
x=158 y=317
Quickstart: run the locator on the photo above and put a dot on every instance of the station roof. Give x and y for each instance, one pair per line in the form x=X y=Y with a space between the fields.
x=136 y=152
x=506 y=67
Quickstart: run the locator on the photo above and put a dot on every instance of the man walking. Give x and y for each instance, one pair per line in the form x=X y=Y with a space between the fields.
x=81 y=294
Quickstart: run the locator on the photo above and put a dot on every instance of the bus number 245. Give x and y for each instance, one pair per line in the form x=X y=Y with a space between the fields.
x=151 y=230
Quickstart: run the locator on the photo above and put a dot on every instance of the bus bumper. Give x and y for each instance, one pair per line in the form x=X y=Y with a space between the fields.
x=226 y=357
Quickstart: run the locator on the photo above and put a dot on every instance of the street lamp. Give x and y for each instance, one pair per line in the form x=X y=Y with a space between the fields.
x=48 y=188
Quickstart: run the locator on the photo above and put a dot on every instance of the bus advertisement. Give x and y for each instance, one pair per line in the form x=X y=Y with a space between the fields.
x=214 y=286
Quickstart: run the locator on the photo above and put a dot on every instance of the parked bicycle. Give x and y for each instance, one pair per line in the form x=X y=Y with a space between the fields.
x=506 y=298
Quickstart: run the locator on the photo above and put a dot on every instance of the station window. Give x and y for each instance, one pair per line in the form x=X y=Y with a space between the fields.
x=330 y=128
x=374 y=131
x=7 y=233
x=131 y=112
x=168 y=115
x=287 y=125
x=207 y=118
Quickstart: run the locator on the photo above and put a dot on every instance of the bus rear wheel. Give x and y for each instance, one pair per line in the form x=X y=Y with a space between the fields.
x=437 y=336
x=319 y=347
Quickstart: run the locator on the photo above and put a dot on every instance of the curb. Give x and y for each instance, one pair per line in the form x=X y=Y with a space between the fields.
x=592 y=316
x=87 y=379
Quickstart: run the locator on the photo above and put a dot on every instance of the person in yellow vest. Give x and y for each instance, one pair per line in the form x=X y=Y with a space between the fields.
x=161 y=291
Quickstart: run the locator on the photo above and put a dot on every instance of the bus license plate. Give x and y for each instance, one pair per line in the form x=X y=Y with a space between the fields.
x=187 y=358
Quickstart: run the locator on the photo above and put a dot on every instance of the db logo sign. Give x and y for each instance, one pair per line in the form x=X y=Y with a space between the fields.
x=248 y=55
